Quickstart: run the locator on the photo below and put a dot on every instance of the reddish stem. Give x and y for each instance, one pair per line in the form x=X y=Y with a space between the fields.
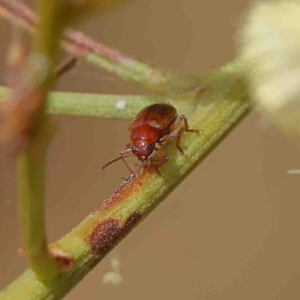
x=76 y=42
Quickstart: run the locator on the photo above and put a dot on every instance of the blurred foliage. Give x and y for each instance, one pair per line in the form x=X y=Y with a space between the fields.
x=270 y=47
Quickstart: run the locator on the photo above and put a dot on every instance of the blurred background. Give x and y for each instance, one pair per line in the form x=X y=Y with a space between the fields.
x=229 y=231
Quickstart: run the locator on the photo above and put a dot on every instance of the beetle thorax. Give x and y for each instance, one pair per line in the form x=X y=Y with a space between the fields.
x=143 y=139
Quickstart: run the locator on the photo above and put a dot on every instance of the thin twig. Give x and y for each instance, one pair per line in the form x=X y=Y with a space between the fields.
x=33 y=132
x=65 y=66
x=109 y=59
x=106 y=106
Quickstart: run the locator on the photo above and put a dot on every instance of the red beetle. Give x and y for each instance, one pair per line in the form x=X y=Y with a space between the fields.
x=154 y=126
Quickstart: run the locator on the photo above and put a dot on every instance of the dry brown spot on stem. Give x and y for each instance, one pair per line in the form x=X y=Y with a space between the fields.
x=107 y=234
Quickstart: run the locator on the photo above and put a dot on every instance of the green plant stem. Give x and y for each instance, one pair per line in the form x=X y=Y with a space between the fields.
x=30 y=167
x=148 y=77
x=106 y=106
x=30 y=179
x=219 y=108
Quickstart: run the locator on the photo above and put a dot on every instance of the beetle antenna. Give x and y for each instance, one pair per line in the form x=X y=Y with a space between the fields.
x=114 y=160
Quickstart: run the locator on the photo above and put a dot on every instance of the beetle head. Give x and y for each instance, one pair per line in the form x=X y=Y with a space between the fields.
x=142 y=149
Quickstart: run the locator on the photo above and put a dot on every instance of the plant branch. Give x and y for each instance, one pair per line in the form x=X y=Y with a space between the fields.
x=107 y=58
x=106 y=106
x=219 y=108
x=32 y=133
x=31 y=159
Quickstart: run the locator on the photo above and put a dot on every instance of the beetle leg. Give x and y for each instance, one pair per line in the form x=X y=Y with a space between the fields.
x=157 y=171
x=178 y=140
x=178 y=123
x=173 y=135
x=129 y=167
x=126 y=163
x=176 y=131
x=163 y=159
